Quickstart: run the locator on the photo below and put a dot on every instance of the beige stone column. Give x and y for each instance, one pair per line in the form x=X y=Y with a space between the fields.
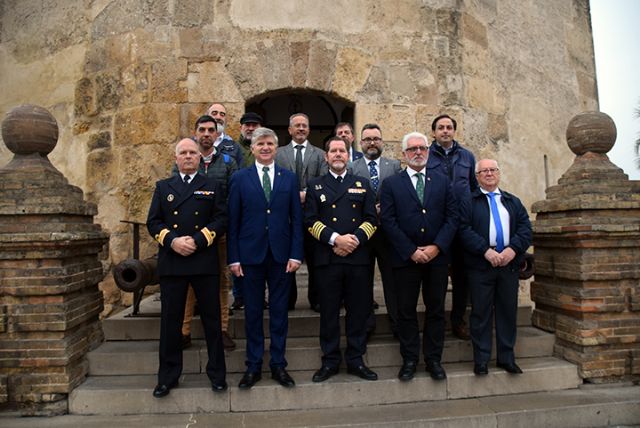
x=49 y=271
x=587 y=253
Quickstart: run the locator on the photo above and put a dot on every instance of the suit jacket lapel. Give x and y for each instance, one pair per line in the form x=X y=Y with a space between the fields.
x=182 y=192
x=277 y=180
x=256 y=182
x=289 y=151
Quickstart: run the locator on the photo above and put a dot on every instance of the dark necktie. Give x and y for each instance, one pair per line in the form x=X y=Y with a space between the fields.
x=266 y=183
x=339 y=178
x=496 y=221
x=373 y=172
x=186 y=180
x=299 y=148
x=420 y=187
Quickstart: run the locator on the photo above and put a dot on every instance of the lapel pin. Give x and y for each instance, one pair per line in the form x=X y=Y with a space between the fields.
x=170 y=197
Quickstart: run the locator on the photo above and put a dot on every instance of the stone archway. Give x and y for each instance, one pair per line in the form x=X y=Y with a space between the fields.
x=324 y=111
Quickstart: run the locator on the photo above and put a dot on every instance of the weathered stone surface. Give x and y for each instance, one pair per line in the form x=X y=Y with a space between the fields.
x=129 y=73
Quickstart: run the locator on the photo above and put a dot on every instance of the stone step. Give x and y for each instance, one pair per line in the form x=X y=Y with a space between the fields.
x=589 y=405
x=302 y=322
x=141 y=357
x=120 y=395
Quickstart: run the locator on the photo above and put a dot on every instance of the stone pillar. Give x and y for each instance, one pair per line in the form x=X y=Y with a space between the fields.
x=587 y=251
x=49 y=271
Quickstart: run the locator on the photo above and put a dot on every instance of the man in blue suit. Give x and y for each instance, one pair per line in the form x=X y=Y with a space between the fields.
x=496 y=232
x=265 y=244
x=419 y=215
x=187 y=216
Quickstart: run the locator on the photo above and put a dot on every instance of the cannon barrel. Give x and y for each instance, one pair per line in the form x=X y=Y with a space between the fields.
x=132 y=274
x=528 y=266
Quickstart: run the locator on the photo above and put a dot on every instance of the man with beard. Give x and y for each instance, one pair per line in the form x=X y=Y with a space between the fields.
x=220 y=167
x=188 y=213
x=307 y=162
x=377 y=168
x=223 y=143
x=265 y=244
x=340 y=214
x=418 y=213
x=344 y=130
x=248 y=123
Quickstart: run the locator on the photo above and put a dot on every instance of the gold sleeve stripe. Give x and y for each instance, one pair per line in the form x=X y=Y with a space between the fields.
x=209 y=235
x=368 y=229
x=317 y=229
x=160 y=236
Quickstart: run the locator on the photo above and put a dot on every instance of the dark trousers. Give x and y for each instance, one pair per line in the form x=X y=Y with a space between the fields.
x=408 y=281
x=338 y=282
x=312 y=292
x=380 y=251
x=459 y=284
x=237 y=287
x=494 y=292
x=278 y=284
x=173 y=295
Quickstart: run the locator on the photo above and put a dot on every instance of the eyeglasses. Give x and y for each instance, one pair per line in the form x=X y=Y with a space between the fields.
x=416 y=149
x=488 y=170
x=371 y=140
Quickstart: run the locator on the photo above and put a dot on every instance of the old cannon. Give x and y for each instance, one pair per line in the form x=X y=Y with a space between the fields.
x=132 y=274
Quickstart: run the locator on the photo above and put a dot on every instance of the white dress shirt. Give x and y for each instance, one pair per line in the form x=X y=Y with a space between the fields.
x=504 y=219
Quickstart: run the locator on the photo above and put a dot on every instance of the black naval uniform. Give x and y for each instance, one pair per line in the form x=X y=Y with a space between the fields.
x=346 y=207
x=197 y=209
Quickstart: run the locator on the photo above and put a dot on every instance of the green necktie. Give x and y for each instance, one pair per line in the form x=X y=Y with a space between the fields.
x=266 y=183
x=420 y=187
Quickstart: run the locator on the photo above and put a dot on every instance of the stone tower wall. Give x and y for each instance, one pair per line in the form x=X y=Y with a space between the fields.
x=126 y=78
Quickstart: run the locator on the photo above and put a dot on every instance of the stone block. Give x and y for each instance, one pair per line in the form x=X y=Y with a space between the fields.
x=168 y=81
x=147 y=124
x=351 y=70
x=208 y=81
x=196 y=13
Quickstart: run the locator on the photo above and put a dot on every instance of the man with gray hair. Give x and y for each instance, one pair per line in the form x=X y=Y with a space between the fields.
x=419 y=214
x=496 y=232
x=264 y=244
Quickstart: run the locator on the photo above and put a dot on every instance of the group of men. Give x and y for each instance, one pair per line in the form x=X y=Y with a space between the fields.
x=342 y=211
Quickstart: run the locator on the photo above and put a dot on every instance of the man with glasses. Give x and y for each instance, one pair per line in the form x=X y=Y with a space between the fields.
x=495 y=229
x=457 y=163
x=377 y=168
x=419 y=214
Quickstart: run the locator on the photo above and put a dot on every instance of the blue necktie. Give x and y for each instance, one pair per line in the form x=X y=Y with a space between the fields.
x=375 y=181
x=496 y=221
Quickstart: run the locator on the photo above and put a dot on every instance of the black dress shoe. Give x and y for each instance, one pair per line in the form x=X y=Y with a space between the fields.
x=460 y=331
x=280 y=375
x=363 y=372
x=237 y=304
x=436 y=370
x=219 y=386
x=407 y=371
x=324 y=373
x=249 y=379
x=162 y=390
x=481 y=369
x=510 y=367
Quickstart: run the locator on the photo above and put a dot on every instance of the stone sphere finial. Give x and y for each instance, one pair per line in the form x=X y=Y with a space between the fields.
x=591 y=131
x=30 y=129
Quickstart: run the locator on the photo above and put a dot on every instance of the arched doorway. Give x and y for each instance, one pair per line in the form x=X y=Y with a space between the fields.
x=323 y=109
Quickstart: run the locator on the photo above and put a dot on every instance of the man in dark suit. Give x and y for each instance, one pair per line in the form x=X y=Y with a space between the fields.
x=458 y=163
x=307 y=162
x=377 y=168
x=187 y=214
x=495 y=229
x=340 y=214
x=344 y=130
x=265 y=244
x=419 y=215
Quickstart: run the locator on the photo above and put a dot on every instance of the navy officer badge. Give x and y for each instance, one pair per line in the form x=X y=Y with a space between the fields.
x=170 y=197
